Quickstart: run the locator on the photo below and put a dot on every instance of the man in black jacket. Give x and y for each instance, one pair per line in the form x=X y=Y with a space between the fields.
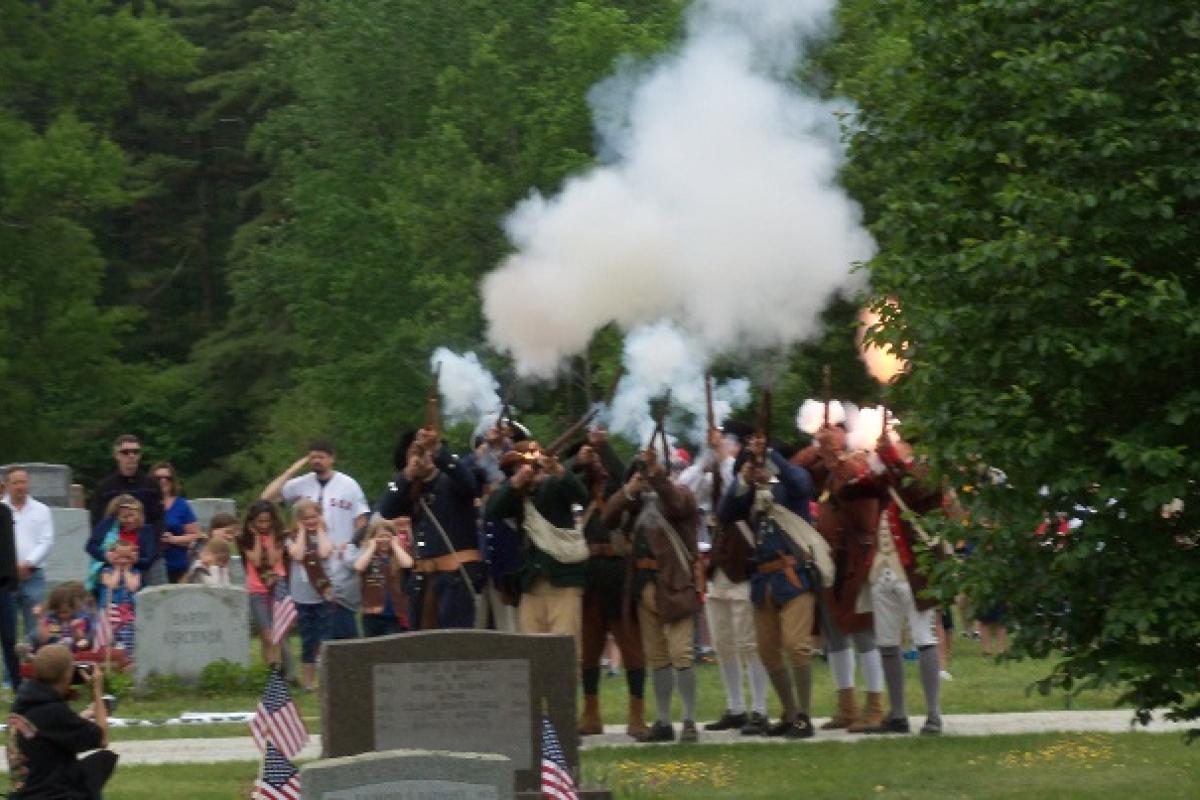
x=129 y=478
x=45 y=736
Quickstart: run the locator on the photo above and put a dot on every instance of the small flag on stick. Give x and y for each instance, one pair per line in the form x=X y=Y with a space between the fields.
x=556 y=775
x=104 y=629
x=277 y=720
x=283 y=612
x=278 y=780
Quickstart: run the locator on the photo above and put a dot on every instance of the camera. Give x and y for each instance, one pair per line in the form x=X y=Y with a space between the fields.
x=82 y=674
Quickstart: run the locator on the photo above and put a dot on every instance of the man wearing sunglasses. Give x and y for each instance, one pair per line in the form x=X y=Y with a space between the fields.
x=129 y=478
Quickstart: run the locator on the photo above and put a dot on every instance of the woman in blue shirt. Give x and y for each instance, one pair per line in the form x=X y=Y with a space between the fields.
x=179 y=522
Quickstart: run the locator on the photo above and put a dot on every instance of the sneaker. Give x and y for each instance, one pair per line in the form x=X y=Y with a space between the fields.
x=800 y=729
x=945 y=675
x=932 y=727
x=728 y=721
x=660 y=732
x=756 y=726
x=689 y=732
x=891 y=725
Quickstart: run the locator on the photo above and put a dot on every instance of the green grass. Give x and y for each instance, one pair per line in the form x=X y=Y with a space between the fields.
x=980 y=685
x=1046 y=765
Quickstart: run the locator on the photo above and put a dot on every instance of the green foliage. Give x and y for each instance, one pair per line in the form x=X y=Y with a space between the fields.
x=1031 y=173
x=118 y=684
x=67 y=69
x=221 y=678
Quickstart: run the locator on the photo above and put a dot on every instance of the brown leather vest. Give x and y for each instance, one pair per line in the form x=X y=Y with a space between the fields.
x=315 y=569
x=378 y=581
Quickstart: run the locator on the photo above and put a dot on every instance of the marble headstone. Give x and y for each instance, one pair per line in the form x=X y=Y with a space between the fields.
x=460 y=690
x=409 y=775
x=50 y=483
x=181 y=629
x=206 y=508
x=68 y=560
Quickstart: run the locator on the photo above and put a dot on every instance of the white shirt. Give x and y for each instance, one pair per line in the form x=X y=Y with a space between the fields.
x=341 y=499
x=342 y=502
x=34 y=529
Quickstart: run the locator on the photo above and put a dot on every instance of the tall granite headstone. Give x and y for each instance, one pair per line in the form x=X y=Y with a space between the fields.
x=50 y=483
x=68 y=560
x=461 y=690
x=409 y=775
x=208 y=507
x=181 y=629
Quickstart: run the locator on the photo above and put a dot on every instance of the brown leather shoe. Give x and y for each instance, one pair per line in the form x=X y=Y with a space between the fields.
x=846 y=713
x=871 y=716
x=636 y=726
x=590 y=722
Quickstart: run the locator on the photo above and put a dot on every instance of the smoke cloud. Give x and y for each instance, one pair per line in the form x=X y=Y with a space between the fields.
x=467 y=388
x=658 y=358
x=717 y=207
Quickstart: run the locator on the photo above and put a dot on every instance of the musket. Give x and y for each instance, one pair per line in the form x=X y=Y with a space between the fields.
x=708 y=402
x=662 y=430
x=712 y=426
x=433 y=415
x=827 y=389
x=570 y=433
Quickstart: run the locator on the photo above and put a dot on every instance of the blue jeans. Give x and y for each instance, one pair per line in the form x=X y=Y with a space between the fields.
x=8 y=637
x=381 y=625
x=315 y=621
x=31 y=593
x=345 y=622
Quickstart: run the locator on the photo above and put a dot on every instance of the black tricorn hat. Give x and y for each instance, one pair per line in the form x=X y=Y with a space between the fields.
x=400 y=454
x=742 y=430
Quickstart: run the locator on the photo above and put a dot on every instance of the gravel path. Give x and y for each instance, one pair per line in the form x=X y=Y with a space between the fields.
x=241 y=748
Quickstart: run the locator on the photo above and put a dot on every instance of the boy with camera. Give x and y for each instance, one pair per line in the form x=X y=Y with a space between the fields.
x=45 y=736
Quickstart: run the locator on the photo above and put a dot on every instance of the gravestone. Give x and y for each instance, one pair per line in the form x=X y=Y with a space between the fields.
x=68 y=560
x=50 y=483
x=180 y=629
x=409 y=775
x=206 y=508
x=461 y=690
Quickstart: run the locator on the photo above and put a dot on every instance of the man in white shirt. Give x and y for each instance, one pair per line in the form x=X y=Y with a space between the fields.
x=34 y=531
x=345 y=510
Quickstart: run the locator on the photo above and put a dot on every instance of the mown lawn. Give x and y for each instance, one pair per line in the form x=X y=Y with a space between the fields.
x=1046 y=765
x=980 y=685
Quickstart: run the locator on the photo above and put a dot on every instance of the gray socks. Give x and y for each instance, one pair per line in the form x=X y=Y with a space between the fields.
x=931 y=680
x=893 y=675
x=803 y=676
x=664 y=684
x=686 y=678
x=781 y=679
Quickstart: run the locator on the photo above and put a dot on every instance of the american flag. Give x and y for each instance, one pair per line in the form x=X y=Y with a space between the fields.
x=283 y=612
x=280 y=780
x=277 y=720
x=556 y=775
x=104 y=629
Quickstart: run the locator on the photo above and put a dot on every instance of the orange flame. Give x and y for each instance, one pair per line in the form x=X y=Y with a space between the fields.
x=883 y=364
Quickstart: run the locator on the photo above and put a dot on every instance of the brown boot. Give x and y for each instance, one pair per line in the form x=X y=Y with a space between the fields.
x=589 y=721
x=871 y=716
x=846 y=713
x=637 y=719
